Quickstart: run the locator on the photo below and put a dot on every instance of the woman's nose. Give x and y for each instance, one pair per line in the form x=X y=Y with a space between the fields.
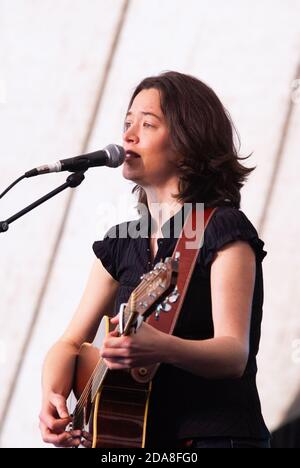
x=130 y=135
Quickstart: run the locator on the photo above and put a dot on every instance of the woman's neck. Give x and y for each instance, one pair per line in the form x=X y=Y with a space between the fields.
x=162 y=206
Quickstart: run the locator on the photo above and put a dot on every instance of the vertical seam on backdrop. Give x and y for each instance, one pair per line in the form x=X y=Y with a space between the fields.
x=277 y=163
x=65 y=215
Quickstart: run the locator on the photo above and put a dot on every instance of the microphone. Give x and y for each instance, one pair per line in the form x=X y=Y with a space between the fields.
x=111 y=156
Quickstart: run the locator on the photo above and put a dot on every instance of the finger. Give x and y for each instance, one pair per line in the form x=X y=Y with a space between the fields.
x=114 y=333
x=117 y=341
x=115 y=319
x=44 y=431
x=61 y=407
x=115 y=354
x=87 y=435
x=55 y=439
x=68 y=441
x=86 y=443
x=55 y=425
x=72 y=442
x=117 y=365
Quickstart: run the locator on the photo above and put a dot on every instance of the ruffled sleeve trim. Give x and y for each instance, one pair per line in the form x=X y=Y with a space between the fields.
x=226 y=226
x=105 y=251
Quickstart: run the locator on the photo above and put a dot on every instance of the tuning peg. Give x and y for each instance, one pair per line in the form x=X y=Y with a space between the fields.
x=177 y=256
x=152 y=294
x=166 y=307
x=157 y=312
x=174 y=295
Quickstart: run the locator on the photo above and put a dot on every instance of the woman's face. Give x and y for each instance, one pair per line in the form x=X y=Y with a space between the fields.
x=146 y=134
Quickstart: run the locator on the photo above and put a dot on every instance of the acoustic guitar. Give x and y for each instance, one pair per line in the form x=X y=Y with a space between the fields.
x=112 y=406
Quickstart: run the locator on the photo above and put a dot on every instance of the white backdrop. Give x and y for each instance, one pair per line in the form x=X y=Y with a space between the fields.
x=67 y=70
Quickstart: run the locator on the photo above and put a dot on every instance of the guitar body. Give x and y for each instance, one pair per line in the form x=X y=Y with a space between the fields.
x=112 y=405
x=117 y=418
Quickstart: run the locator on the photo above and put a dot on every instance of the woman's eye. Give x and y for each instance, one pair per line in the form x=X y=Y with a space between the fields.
x=126 y=125
x=145 y=124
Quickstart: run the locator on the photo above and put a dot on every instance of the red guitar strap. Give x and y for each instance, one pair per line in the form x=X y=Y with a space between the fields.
x=187 y=250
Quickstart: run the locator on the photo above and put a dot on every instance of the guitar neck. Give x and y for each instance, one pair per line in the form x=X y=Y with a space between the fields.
x=96 y=379
x=153 y=288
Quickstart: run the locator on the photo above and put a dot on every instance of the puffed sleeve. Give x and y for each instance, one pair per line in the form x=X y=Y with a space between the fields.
x=229 y=225
x=106 y=251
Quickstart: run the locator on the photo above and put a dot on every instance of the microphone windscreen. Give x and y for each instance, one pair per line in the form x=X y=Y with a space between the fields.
x=116 y=155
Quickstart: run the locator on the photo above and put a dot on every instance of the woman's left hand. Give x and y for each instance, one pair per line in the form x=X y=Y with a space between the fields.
x=145 y=347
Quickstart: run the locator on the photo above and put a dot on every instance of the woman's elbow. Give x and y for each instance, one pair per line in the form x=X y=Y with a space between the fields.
x=240 y=364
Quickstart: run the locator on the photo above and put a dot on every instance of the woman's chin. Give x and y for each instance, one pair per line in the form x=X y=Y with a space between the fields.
x=129 y=174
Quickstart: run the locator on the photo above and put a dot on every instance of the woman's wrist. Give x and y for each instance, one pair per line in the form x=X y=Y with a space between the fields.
x=168 y=347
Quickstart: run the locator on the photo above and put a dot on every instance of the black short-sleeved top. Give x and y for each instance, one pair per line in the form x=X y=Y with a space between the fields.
x=184 y=405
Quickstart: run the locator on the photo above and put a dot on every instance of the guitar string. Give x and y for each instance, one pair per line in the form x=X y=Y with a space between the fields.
x=85 y=394
x=90 y=383
x=87 y=390
x=100 y=368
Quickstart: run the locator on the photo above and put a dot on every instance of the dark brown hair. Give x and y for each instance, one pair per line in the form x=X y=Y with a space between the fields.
x=202 y=133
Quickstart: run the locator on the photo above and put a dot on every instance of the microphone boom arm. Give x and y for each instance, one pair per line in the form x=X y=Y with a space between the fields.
x=73 y=180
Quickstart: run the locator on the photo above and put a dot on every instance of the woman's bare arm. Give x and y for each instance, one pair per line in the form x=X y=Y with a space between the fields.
x=232 y=286
x=97 y=300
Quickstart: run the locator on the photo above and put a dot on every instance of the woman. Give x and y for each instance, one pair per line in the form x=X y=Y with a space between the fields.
x=179 y=148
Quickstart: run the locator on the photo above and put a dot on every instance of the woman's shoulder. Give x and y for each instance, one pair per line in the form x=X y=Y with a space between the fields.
x=123 y=230
x=116 y=241
x=227 y=218
x=119 y=233
x=229 y=224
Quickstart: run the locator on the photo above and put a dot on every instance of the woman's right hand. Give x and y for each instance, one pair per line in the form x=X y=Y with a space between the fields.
x=54 y=419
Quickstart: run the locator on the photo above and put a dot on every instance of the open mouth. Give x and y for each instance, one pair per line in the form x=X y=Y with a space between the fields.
x=131 y=155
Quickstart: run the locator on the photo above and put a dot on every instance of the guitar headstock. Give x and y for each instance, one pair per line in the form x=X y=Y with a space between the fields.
x=155 y=286
x=150 y=294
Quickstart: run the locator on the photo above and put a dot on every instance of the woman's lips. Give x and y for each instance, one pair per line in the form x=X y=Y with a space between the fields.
x=131 y=155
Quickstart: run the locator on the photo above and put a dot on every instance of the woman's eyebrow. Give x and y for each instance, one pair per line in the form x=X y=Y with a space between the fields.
x=145 y=113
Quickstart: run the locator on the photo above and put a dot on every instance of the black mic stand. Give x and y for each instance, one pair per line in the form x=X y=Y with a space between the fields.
x=72 y=181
